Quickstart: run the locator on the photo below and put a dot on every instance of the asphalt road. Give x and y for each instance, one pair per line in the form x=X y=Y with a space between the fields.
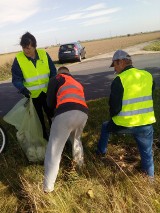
x=95 y=75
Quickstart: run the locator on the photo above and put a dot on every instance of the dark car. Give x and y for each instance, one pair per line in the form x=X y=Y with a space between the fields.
x=71 y=52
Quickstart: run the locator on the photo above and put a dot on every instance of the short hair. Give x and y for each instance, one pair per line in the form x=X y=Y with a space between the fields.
x=63 y=69
x=28 y=39
x=128 y=61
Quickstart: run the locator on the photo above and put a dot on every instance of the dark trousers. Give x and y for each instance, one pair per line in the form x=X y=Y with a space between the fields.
x=40 y=105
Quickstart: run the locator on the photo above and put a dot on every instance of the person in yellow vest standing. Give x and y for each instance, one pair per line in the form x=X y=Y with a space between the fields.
x=131 y=109
x=31 y=70
x=65 y=96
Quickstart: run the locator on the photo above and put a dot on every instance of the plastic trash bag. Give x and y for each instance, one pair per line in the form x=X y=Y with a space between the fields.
x=29 y=135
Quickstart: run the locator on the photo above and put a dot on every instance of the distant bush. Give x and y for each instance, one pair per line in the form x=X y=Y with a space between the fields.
x=154 y=46
x=5 y=71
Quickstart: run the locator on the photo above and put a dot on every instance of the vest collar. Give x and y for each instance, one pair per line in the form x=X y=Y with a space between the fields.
x=36 y=58
x=67 y=74
x=127 y=68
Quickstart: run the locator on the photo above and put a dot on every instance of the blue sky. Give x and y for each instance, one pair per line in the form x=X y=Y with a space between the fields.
x=53 y=21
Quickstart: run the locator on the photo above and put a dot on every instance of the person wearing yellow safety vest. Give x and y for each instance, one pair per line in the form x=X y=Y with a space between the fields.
x=65 y=96
x=31 y=70
x=131 y=109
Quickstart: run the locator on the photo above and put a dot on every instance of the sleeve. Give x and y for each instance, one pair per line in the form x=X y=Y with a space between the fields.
x=116 y=96
x=53 y=70
x=17 y=76
x=52 y=92
x=53 y=86
x=153 y=87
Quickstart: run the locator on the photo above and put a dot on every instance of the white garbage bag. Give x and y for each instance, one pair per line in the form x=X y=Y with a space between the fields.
x=29 y=135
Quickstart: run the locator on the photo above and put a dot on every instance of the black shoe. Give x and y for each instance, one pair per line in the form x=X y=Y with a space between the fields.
x=45 y=136
x=99 y=154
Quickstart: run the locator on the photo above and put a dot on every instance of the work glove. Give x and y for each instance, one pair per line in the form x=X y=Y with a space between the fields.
x=25 y=92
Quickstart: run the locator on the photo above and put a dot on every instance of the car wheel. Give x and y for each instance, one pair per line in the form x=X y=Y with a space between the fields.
x=80 y=58
x=60 y=62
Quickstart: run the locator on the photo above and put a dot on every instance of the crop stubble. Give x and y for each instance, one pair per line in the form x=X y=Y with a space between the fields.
x=97 y=47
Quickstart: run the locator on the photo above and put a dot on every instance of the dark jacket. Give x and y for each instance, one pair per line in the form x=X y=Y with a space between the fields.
x=54 y=84
x=115 y=100
x=17 y=75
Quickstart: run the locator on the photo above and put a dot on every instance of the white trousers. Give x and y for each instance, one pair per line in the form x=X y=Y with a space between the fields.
x=70 y=125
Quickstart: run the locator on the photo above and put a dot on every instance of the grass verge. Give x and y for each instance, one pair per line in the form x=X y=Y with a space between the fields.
x=111 y=184
x=154 y=46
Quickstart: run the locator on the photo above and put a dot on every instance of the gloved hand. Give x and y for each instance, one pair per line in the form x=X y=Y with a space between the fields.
x=25 y=92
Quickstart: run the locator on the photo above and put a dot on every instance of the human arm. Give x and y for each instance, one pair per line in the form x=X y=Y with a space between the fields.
x=53 y=86
x=53 y=70
x=116 y=96
x=153 y=86
x=17 y=76
x=18 y=79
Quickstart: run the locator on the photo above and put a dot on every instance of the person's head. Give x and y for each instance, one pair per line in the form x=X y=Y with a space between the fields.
x=63 y=70
x=29 y=44
x=121 y=60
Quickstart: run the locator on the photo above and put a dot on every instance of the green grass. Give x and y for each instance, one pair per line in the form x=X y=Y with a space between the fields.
x=154 y=46
x=114 y=184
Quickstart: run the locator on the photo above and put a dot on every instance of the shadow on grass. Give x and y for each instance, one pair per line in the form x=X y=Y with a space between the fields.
x=14 y=164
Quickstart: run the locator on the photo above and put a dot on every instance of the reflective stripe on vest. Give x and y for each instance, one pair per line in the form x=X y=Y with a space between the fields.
x=37 y=87
x=35 y=78
x=137 y=104
x=72 y=96
x=136 y=100
x=70 y=91
x=65 y=88
x=136 y=112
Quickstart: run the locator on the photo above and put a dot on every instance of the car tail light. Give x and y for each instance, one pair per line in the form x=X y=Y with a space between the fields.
x=76 y=51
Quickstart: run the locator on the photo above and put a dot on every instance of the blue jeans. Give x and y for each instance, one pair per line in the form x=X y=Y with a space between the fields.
x=143 y=136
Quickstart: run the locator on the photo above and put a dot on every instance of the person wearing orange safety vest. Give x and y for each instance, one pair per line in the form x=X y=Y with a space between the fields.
x=131 y=109
x=31 y=70
x=65 y=96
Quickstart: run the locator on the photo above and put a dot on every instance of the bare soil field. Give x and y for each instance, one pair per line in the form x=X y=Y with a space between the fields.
x=97 y=47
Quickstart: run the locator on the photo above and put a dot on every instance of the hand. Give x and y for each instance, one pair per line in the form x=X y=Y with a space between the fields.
x=27 y=95
x=25 y=92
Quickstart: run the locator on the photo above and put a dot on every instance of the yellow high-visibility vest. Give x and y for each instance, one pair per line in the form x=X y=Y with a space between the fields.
x=137 y=104
x=35 y=78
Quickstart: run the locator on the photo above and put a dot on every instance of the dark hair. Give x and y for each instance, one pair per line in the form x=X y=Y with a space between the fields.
x=63 y=69
x=128 y=61
x=28 y=39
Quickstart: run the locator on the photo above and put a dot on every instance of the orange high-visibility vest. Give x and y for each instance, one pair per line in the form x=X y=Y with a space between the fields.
x=70 y=91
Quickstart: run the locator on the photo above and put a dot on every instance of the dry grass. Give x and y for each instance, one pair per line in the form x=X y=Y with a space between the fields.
x=113 y=184
x=94 y=48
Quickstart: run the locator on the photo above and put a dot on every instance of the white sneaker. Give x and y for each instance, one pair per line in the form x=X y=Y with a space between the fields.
x=46 y=190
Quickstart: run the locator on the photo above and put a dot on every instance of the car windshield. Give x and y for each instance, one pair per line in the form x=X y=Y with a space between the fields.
x=66 y=47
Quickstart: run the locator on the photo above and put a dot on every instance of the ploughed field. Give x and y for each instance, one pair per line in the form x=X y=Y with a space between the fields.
x=97 y=47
